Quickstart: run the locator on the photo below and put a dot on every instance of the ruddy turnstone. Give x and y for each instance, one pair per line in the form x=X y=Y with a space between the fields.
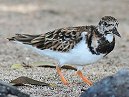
x=76 y=46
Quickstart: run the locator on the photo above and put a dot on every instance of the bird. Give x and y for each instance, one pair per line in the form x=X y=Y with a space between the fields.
x=77 y=46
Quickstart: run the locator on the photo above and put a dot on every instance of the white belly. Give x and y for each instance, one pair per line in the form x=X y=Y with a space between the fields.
x=80 y=55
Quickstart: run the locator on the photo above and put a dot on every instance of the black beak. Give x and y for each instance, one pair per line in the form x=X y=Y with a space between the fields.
x=116 y=32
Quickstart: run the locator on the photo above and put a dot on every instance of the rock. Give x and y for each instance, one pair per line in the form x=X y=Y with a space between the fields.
x=6 y=89
x=111 y=86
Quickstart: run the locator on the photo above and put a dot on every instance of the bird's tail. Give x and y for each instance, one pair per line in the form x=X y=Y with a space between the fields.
x=24 y=38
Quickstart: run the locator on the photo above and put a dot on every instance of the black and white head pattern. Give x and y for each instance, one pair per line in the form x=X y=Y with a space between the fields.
x=107 y=25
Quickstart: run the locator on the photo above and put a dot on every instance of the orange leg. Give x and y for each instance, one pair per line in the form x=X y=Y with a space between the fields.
x=64 y=81
x=84 y=78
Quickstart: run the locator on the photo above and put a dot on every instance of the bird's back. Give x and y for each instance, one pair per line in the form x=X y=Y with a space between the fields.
x=63 y=39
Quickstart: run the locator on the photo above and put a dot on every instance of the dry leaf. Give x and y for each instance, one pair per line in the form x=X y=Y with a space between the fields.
x=17 y=66
x=25 y=80
x=42 y=63
x=69 y=67
x=51 y=65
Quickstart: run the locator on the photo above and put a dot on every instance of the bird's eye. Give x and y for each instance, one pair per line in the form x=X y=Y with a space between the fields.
x=109 y=24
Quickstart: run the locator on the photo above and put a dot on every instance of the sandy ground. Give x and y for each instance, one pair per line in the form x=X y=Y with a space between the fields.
x=40 y=16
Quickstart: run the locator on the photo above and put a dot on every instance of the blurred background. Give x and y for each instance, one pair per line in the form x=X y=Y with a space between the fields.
x=41 y=16
x=38 y=16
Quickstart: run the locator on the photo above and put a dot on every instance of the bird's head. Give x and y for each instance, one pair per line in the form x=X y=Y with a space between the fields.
x=108 y=25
